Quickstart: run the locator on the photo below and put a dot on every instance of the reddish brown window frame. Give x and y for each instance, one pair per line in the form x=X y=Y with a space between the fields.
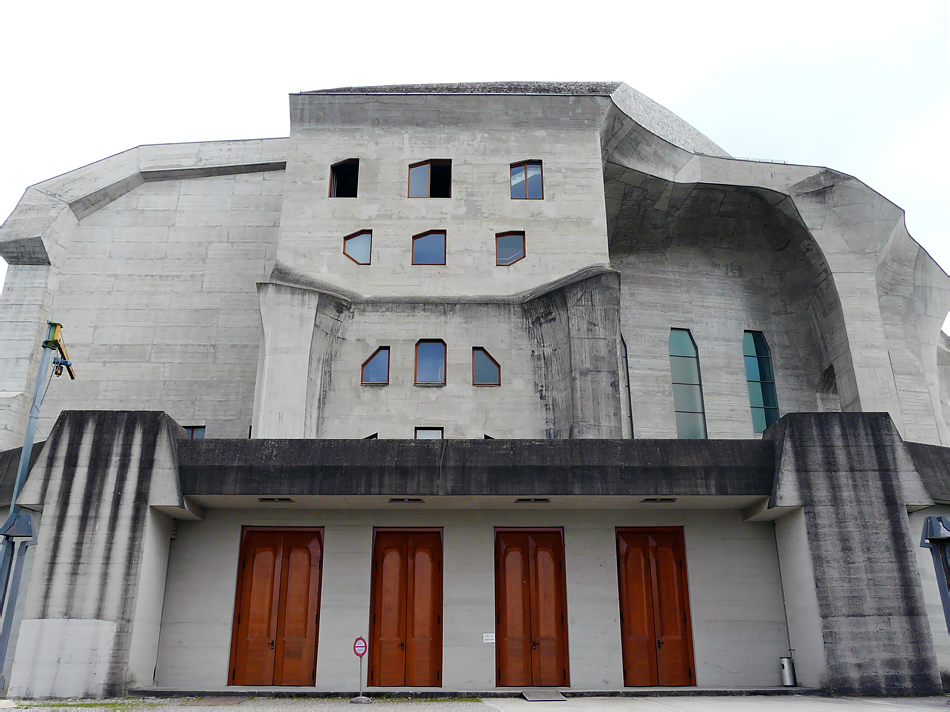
x=332 y=188
x=445 y=366
x=357 y=234
x=490 y=358
x=509 y=233
x=415 y=433
x=430 y=162
x=533 y=162
x=364 y=382
x=445 y=247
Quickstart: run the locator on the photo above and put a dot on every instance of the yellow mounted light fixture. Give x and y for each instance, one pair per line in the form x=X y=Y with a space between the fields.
x=54 y=341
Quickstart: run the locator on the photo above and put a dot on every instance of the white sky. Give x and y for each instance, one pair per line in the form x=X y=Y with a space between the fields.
x=861 y=87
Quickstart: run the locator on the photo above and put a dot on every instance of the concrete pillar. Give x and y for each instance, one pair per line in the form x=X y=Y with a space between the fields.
x=852 y=478
x=280 y=404
x=92 y=616
x=576 y=334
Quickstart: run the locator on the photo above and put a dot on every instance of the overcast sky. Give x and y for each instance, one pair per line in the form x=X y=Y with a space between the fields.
x=862 y=87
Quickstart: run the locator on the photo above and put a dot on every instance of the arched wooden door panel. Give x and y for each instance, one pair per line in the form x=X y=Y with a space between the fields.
x=531 y=609
x=276 y=616
x=406 y=609
x=655 y=629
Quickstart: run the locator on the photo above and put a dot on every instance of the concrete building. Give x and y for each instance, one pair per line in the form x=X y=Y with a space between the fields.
x=525 y=384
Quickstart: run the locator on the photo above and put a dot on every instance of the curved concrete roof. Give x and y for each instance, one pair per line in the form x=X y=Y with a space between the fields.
x=639 y=107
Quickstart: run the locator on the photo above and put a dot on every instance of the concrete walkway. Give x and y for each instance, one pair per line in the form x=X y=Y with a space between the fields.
x=578 y=704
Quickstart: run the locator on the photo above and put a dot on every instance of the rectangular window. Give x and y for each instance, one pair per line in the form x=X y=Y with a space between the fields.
x=431 y=179
x=687 y=386
x=344 y=178
x=429 y=434
x=429 y=248
x=194 y=432
x=526 y=181
x=761 y=380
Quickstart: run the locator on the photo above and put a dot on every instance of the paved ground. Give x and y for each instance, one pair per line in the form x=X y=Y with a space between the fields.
x=585 y=704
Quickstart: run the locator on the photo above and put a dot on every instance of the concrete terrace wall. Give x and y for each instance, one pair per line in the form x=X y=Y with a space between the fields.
x=157 y=294
x=735 y=593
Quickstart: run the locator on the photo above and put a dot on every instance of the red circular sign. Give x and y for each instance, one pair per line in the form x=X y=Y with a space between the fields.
x=359 y=646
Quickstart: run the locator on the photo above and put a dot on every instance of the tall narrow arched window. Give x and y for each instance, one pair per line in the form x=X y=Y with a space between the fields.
x=687 y=386
x=758 y=372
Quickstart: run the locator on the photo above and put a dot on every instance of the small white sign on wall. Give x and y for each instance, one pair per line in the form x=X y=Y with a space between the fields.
x=488 y=637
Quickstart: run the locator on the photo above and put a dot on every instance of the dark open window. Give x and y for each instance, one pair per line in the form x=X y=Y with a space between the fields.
x=376 y=367
x=428 y=248
x=429 y=433
x=359 y=246
x=761 y=380
x=344 y=178
x=374 y=436
x=687 y=386
x=526 y=181
x=509 y=248
x=430 y=179
x=430 y=362
x=194 y=432
x=485 y=369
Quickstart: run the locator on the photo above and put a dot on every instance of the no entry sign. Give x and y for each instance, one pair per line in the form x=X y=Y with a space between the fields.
x=359 y=646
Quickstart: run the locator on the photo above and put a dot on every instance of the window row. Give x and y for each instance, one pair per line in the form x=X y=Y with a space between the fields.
x=428 y=248
x=433 y=179
x=430 y=365
x=688 y=388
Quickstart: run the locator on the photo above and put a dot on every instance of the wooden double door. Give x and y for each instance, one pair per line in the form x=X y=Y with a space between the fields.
x=277 y=612
x=531 y=608
x=405 y=648
x=654 y=608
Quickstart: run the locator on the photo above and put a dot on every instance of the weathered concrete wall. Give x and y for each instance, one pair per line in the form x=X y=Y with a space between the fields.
x=735 y=595
x=481 y=135
x=718 y=261
x=82 y=633
x=928 y=581
x=854 y=480
x=157 y=292
x=352 y=410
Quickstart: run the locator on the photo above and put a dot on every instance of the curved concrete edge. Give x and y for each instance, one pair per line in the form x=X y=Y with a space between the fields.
x=47 y=210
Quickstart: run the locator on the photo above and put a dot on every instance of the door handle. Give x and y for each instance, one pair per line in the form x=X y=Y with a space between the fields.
x=402 y=645
x=271 y=644
x=534 y=645
x=659 y=644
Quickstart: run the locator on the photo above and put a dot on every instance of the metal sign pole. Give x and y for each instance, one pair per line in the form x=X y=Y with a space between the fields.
x=359 y=649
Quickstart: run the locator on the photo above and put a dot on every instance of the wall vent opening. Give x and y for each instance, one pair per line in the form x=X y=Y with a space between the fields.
x=274 y=499
x=406 y=500
x=658 y=500
x=532 y=500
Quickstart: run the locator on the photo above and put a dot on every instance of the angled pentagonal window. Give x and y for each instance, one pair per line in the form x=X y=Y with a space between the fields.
x=526 y=181
x=428 y=248
x=430 y=362
x=376 y=367
x=485 y=369
x=687 y=386
x=344 y=178
x=430 y=179
x=359 y=246
x=761 y=380
x=509 y=248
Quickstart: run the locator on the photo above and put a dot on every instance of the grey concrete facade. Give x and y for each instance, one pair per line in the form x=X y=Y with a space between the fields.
x=205 y=285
